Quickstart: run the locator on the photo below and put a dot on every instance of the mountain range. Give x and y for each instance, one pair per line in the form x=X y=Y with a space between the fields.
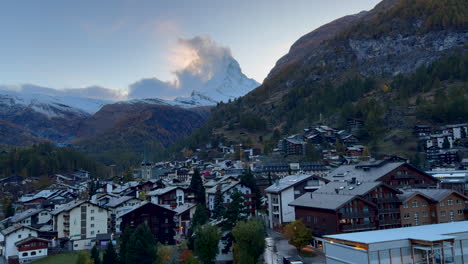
x=32 y=114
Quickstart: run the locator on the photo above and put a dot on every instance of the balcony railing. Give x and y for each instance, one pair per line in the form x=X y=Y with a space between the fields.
x=389 y=222
x=357 y=214
x=388 y=200
x=358 y=227
x=389 y=211
x=405 y=176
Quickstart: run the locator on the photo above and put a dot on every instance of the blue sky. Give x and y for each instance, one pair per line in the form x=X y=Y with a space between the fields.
x=71 y=44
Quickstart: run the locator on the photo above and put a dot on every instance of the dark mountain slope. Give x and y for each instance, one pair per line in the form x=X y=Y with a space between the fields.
x=357 y=66
x=121 y=133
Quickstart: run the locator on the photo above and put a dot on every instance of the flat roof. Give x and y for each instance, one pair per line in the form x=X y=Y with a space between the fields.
x=434 y=232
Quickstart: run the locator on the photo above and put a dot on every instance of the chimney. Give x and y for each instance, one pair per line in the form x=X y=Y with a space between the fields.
x=337 y=190
x=311 y=196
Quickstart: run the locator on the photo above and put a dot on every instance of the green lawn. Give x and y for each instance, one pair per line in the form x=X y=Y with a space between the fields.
x=66 y=258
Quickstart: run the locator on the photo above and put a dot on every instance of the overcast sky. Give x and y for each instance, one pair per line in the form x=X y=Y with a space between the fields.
x=114 y=43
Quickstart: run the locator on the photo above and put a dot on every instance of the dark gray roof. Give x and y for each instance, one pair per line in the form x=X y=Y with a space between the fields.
x=434 y=194
x=15 y=227
x=322 y=200
x=347 y=172
x=118 y=201
x=25 y=214
x=349 y=189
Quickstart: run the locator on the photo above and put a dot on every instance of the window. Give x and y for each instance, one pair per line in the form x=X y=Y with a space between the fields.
x=442 y=203
x=452 y=216
x=405 y=205
x=92 y=218
x=460 y=212
x=92 y=232
x=416 y=218
x=459 y=202
x=450 y=202
x=33 y=253
x=424 y=214
x=92 y=211
x=415 y=203
x=423 y=203
x=92 y=225
x=406 y=216
x=19 y=236
x=25 y=254
x=442 y=213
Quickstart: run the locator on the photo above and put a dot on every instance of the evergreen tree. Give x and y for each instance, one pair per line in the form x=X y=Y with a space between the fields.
x=110 y=256
x=218 y=209
x=446 y=143
x=124 y=245
x=248 y=180
x=250 y=240
x=197 y=185
x=141 y=247
x=95 y=255
x=206 y=243
x=200 y=217
x=127 y=175
x=236 y=210
x=8 y=209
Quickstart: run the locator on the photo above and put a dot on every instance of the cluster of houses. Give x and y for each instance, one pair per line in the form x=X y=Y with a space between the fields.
x=60 y=218
x=352 y=197
x=324 y=140
x=370 y=195
x=445 y=145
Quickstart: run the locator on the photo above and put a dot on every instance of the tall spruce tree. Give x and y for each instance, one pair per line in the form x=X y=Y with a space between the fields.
x=200 y=217
x=141 y=246
x=124 y=245
x=236 y=210
x=197 y=185
x=248 y=180
x=110 y=256
x=95 y=255
x=218 y=208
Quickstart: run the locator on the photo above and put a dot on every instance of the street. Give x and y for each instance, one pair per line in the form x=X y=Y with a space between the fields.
x=278 y=247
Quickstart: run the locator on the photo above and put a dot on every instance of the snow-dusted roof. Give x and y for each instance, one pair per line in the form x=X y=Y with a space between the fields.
x=425 y=232
x=287 y=182
x=118 y=201
x=23 y=215
x=40 y=194
x=161 y=191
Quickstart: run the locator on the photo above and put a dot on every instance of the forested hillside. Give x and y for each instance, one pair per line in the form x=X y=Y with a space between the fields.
x=45 y=159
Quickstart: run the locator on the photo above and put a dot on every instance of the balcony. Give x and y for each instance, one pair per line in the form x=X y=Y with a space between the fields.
x=388 y=200
x=357 y=214
x=389 y=222
x=389 y=211
x=358 y=227
x=405 y=176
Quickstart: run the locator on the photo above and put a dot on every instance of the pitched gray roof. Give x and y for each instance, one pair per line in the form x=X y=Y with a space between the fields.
x=287 y=182
x=118 y=201
x=322 y=200
x=15 y=227
x=349 y=189
x=347 y=172
x=161 y=191
x=434 y=194
x=23 y=215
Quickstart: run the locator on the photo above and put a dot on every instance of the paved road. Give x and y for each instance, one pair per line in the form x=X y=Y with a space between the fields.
x=278 y=247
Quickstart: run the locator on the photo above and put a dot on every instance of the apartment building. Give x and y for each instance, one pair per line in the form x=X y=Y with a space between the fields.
x=80 y=222
x=286 y=190
x=431 y=206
